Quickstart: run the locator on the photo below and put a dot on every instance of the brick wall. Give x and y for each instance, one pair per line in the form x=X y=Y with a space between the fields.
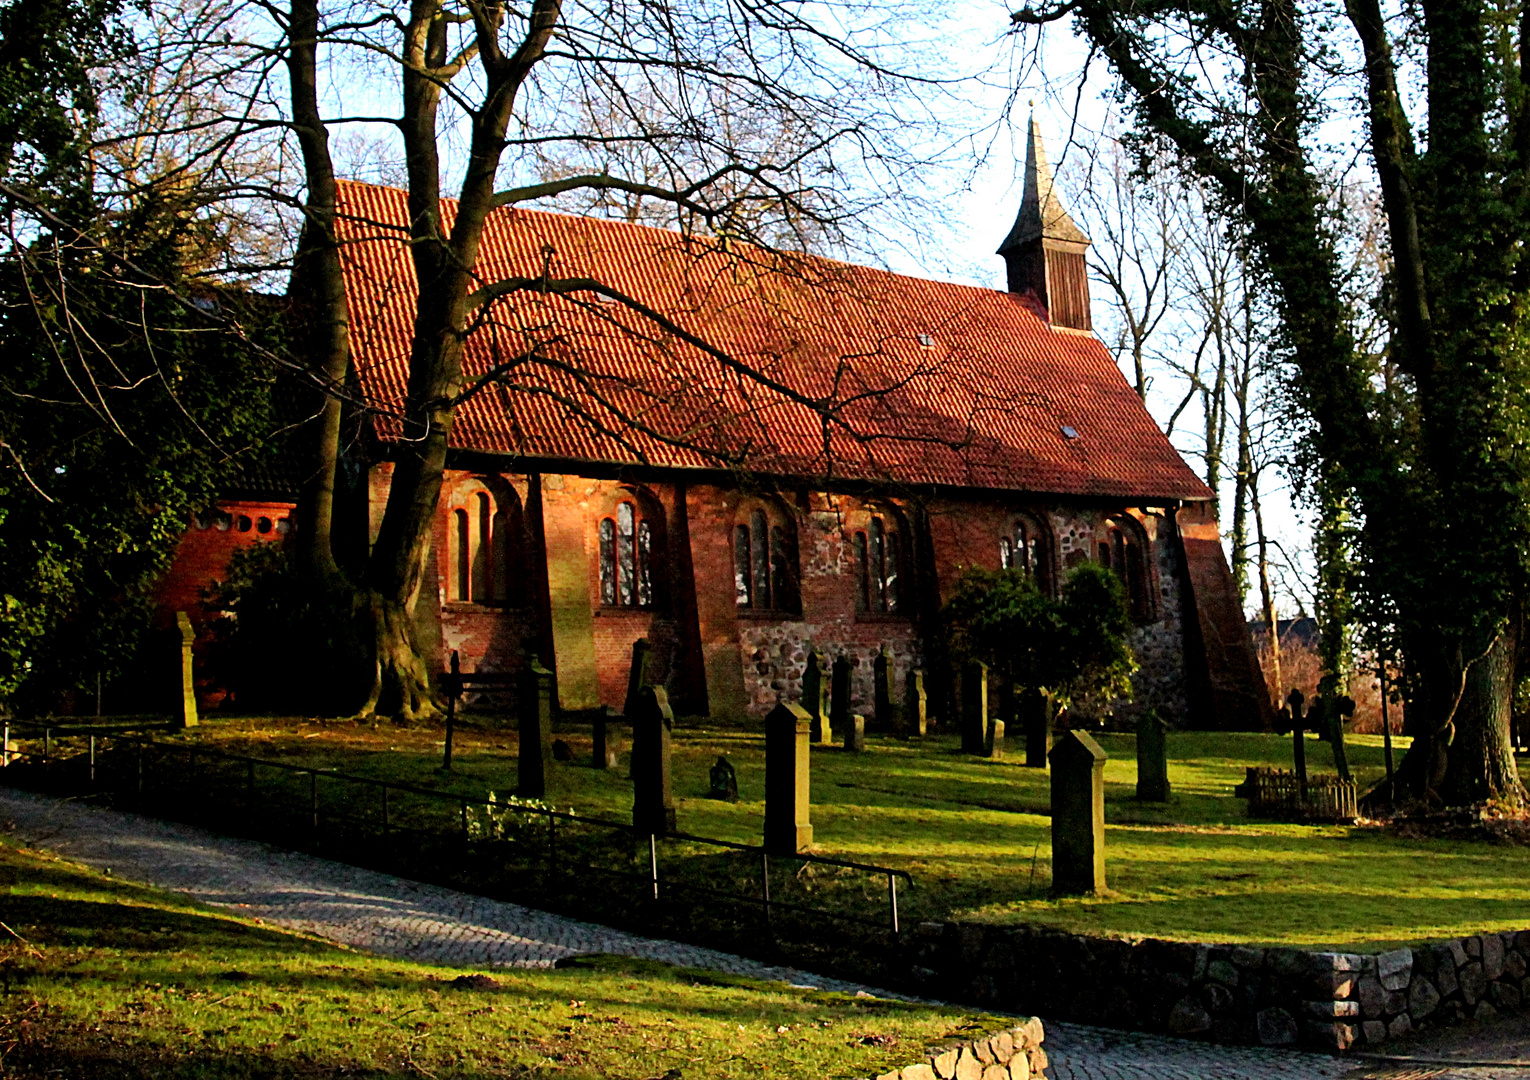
x=527 y=550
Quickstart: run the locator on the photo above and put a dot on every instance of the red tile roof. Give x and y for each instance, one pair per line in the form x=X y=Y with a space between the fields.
x=982 y=404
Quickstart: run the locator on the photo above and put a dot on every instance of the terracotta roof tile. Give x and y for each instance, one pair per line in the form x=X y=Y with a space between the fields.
x=937 y=383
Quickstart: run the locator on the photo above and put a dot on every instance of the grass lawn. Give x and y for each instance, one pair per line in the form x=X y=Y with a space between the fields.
x=113 y=980
x=975 y=834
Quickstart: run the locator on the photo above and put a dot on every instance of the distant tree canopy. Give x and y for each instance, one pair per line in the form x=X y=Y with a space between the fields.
x=1072 y=648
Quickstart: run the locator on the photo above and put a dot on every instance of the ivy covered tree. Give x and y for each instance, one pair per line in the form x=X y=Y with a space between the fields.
x=1071 y=648
x=1423 y=446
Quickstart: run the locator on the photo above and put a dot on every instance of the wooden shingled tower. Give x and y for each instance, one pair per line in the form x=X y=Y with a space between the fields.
x=1044 y=251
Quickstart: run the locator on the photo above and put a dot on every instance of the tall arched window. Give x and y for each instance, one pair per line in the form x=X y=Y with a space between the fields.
x=1123 y=549
x=765 y=560
x=631 y=543
x=1025 y=546
x=483 y=548
x=878 y=555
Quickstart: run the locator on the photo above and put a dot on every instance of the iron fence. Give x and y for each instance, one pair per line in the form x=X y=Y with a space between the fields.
x=695 y=886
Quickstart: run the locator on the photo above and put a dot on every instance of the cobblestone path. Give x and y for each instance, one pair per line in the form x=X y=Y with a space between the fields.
x=409 y=920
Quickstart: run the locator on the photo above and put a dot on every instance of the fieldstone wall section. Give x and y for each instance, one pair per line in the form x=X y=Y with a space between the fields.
x=1012 y=1054
x=1224 y=993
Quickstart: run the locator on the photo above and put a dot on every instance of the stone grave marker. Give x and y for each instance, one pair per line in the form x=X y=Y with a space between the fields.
x=653 y=797
x=1036 y=719
x=815 y=696
x=1298 y=742
x=562 y=751
x=535 y=707
x=724 y=781
x=855 y=733
x=915 y=706
x=993 y=739
x=883 y=691
x=974 y=707
x=188 y=636
x=1078 y=815
x=1152 y=757
x=839 y=695
x=607 y=745
x=788 y=813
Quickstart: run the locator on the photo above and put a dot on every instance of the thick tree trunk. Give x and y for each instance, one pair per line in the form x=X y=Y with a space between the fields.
x=1480 y=765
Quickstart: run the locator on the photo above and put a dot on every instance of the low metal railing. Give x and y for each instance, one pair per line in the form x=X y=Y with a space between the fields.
x=143 y=770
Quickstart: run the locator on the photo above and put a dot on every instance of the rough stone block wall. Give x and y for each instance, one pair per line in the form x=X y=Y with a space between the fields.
x=1012 y=1054
x=1224 y=993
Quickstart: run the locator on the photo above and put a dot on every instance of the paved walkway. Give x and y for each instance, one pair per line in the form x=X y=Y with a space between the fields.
x=406 y=919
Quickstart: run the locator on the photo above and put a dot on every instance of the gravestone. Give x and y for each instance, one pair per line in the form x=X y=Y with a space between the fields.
x=1298 y=742
x=1078 y=815
x=562 y=751
x=993 y=739
x=855 y=733
x=815 y=696
x=839 y=695
x=724 y=781
x=188 y=704
x=535 y=755
x=974 y=707
x=1035 y=718
x=1152 y=757
x=915 y=706
x=1342 y=708
x=606 y=744
x=883 y=672
x=653 y=798
x=788 y=813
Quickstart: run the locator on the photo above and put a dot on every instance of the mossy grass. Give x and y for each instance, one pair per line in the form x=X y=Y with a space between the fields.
x=975 y=834
x=103 y=979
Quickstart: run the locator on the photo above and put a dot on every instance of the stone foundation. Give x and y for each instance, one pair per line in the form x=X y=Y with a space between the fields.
x=1012 y=1054
x=1224 y=993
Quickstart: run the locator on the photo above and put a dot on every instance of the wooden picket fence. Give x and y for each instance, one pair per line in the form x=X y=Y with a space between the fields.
x=1282 y=795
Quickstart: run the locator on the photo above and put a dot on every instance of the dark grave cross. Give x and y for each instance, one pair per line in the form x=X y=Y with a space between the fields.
x=1078 y=815
x=723 y=780
x=815 y=696
x=883 y=672
x=839 y=696
x=974 y=707
x=653 y=797
x=788 y=808
x=1152 y=757
x=915 y=706
x=1298 y=743
x=1038 y=728
x=535 y=756
x=637 y=678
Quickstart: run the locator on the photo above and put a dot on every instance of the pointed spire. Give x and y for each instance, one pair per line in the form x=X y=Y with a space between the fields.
x=1041 y=213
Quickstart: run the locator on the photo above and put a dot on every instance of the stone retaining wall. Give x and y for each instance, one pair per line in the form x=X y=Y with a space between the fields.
x=1012 y=1054
x=1224 y=993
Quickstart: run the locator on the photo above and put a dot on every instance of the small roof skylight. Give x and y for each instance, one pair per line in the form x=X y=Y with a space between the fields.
x=926 y=340
x=1068 y=432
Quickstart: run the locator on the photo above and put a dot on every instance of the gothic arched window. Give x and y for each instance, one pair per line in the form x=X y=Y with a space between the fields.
x=1025 y=545
x=1123 y=548
x=765 y=560
x=482 y=546
x=631 y=548
x=878 y=555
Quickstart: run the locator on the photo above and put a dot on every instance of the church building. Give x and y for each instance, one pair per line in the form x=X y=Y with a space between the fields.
x=749 y=453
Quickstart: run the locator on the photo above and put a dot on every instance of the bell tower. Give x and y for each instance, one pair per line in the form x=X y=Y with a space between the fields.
x=1044 y=251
